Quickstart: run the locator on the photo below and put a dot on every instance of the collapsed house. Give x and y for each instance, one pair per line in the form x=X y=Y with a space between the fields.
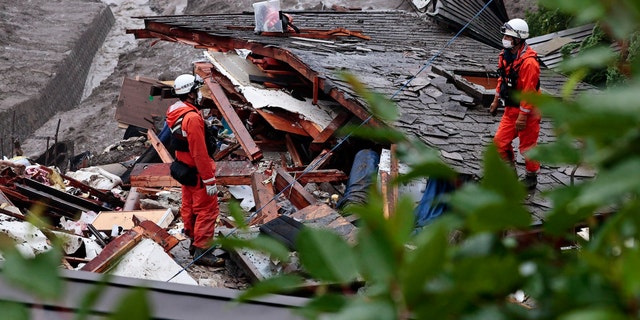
x=280 y=103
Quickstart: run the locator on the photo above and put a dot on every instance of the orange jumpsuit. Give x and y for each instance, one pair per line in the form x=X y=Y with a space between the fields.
x=528 y=80
x=199 y=211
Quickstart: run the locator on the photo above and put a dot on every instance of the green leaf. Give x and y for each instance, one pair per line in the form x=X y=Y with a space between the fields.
x=380 y=134
x=561 y=218
x=380 y=106
x=367 y=310
x=611 y=185
x=326 y=303
x=275 y=285
x=487 y=210
x=14 y=311
x=38 y=275
x=91 y=297
x=593 y=313
x=477 y=275
x=402 y=221
x=423 y=162
x=377 y=255
x=477 y=245
x=261 y=243
x=238 y=215
x=592 y=58
x=561 y=151
x=326 y=256
x=425 y=261
x=500 y=177
x=134 y=305
x=630 y=276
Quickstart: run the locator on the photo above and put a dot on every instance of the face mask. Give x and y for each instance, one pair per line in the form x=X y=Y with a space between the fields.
x=507 y=44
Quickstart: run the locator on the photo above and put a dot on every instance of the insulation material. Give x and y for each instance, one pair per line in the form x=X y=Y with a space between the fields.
x=238 y=70
x=29 y=240
x=147 y=260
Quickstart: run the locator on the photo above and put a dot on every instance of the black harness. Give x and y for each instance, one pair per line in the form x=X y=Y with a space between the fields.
x=510 y=81
x=180 y=142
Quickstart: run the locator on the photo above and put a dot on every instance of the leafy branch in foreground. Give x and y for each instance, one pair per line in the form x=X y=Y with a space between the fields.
x=430 y=275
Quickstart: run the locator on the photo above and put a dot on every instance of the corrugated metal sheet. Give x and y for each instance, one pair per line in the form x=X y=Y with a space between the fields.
x=484 y=28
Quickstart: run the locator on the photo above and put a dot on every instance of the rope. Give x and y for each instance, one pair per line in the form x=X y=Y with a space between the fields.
x=341 y=141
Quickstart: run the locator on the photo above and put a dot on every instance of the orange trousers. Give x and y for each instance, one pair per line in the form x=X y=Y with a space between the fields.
x=199 y=213
x=507 y=132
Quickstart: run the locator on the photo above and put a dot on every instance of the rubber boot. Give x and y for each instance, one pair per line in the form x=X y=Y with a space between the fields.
x=530 y=180
x=208 y=259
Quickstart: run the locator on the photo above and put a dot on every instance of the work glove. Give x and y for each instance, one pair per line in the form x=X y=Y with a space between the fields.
x=212 y=190
x=493 y=108
x=521 y=122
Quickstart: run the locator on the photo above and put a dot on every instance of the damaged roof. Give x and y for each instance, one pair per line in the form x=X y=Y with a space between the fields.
x=384 y=49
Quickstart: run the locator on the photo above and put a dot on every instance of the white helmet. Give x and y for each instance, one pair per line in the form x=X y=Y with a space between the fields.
x=516 y=28
x=184 y=83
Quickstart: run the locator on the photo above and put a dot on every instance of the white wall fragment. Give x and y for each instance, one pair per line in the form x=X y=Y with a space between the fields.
x=147 y=260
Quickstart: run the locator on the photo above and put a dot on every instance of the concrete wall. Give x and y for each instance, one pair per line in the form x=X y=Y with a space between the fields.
x=63 y=92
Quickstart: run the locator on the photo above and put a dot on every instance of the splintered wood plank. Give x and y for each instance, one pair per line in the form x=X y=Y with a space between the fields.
x=310 y=128
x=334 y=125
x=320 y=160
x=228 y=112
x=115 y=249
x=157 y=234
x=322 y=216
x=319 y=176
x=160 y=149
x=296 y=193
x=157 y=174
x=263 y=194
x=293 y=151
x=281 y=122
x=234 y=173
x=105 y=220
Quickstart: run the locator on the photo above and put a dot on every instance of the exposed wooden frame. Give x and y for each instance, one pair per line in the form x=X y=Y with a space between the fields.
x=295 y=192
x=263 y=193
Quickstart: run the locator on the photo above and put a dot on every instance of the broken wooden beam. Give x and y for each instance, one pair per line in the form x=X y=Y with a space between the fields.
x=333 y=126
x=115 y=249
x=293 y=151
x=164 y=154
x=295 y=192
x=158 y=175
x=156 y=233
x=320 y=215
x=263 y=193
x=228 y=112
x=319 y=176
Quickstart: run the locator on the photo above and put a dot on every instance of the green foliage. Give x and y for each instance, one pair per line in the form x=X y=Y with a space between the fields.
x=429 y=276
x=546 y=20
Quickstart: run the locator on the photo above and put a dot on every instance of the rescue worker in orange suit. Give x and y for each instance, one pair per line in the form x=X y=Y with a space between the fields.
x=200 y=208
x=519 y=72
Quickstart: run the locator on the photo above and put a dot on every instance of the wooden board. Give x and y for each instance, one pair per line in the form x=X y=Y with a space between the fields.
x=107 y=219
x=157 y=174
x=321 y=215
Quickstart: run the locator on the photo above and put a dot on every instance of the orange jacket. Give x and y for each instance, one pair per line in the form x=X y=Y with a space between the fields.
x=528 y=68
x=193 y=130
